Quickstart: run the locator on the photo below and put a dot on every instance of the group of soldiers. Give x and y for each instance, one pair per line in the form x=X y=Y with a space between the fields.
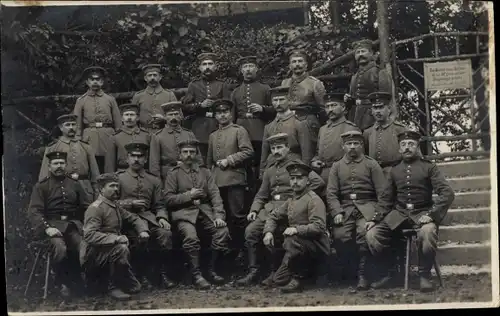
x=122 y=183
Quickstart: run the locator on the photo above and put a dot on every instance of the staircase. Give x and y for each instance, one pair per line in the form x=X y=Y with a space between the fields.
x=465 y=233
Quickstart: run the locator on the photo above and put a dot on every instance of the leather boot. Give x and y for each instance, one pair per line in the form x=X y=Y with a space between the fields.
x=215 y=278
x=118 y=294
x=165 y=280
x=424 y=271
x=362 y=282
x=252 y=275
x=65 y=291
x=387 y=279
x=145 y=283
x=293 y=286
x=198 y=280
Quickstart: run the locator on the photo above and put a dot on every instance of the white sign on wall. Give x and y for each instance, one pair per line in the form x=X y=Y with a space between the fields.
x=448 y=75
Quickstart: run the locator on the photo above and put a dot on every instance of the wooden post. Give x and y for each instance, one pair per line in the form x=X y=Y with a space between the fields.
x=383 y=31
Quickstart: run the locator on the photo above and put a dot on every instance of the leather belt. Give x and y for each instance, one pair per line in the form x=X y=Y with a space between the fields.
x=359 y=196
x=384 y=164
x=98 y=125
x=76 y=176
x=414 y=206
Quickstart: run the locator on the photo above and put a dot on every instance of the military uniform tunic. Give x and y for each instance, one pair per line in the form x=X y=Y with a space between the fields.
x=98 y=117
x=116 y=158
x=150 y=101
x=382 y=143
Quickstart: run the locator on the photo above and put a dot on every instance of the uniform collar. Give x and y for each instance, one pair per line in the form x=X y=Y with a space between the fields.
x=91 y=93
x=194 y=167
x=383 y=126
x=298 y=197
x=107 y=201
x=286 y=160
x=367 y=66
x=155 y=90
x=250 y=82
x=134 y=174
x=348 y=160
x=135 y=130
x=284 y=117
x=170 y=129
x=67 y=140
x=337 y=122
x=300 y=78
x=225 y=127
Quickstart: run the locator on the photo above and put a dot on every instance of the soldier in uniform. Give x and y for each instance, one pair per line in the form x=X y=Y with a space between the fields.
x=157 y=123
x=252 y=110
x=141 y=193
x=150 y=99
x=285 y=122
x=164 y=151
x=81 y=163
x=330 y=145
x=195 y=205
x=381 y=140
x=229 y=150
x=306 y=93
x=273 y=192
x=407 y=202
x=305 y=239
x=369 y=78
x=97 y=114
x=56 y=210
x=116 y=157
x=104 y=250
x=354 y=184
x=198 y=101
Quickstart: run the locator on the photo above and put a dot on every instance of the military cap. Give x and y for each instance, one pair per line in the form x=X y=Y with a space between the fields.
x=247 y=60
x=364 y=43
x=205 y=56
x=56 y=155
x=334 y=97
x=129 y=107
x=409 y=135
x=157 y=118
x=94 y=71
x=352 y=135
x=298 y=53
x=151 y=67
x=298 y=169
x=222 y=104
x=380 y=98
x=106 y=178
x=66 y=118
x=280 y=138
x=171 y=106
x=136 y=146
x=188 y=143
x=279 y=91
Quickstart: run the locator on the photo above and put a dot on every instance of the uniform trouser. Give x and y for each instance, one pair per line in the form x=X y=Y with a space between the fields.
x=253 y=168
x=219 y=236
x=379 y=240
x=88 y=189
x=313 y=126
x=234 y=204
x=350 y=241
x=254 y=234
x=363 y=117
x=65 y=253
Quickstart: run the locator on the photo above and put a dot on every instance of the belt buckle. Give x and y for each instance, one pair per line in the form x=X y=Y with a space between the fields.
x=409 y=206
x=277 y=197
x=352 y=196
x=98 y=124
x=209 y=114
x=248 y=115
x=64 y=217
x=75 y=176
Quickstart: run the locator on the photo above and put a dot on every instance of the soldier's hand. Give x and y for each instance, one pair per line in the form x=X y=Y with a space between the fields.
x=207 y=103
x=164 y=224
x=219 y=223
x=424 y=219
x=269 y=240
x=290 y=231
x=254 y=108
x=144 y=235
x=251 y=216
x=347 y=97
x=196 y=202
x=122 y=239
x=196 y=193
x=358 y=102
x=223 y=163
x=338 y=219
x=140 y=203
x=318 y=164
x=369 y=225
x=53 y=232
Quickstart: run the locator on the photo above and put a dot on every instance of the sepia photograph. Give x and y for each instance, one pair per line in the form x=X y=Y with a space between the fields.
x=248 y=156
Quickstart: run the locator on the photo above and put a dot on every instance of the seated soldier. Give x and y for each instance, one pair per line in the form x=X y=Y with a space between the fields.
x=407 y=202
x=196 y=206
x=141 y=193
x=56 y=210
x=104 y=249
x=273 y=192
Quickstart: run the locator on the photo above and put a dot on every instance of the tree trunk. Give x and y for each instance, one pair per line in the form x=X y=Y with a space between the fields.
x=334 y=14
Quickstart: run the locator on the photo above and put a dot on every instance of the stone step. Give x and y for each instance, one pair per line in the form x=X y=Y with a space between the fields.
x=465 y=233
x=464 y=254
x=480 y=215
x=459 y=269
x=465 y=168
x=470 y=199
x=471 y=183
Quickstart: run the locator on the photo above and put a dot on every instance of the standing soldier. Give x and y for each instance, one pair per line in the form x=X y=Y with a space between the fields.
x=381 y=140
x=306 y=93
x=196 y=206
x=285 y=122
x=150 y=99
x=407 y=202
x=116 y=158
x=81 y=163
x=164 y=151
x=141 y=194
x=306 y=240
x=330 y=145
x=56 y=210
x=354 y=184
x=273 y=192
x=97 y=114
x=199 y=99
x=229 y=150
x=103 y=247
x=252 y=109
x=369 y=78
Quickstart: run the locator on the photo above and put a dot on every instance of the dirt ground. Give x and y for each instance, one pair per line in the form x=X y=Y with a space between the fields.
x=458 y=288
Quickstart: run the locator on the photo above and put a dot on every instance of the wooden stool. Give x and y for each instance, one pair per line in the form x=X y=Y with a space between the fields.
x=43 y=246
x=409 y=234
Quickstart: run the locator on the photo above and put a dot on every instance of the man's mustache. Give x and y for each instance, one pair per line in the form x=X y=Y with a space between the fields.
x=277 y=155
x=174 y=120
x=407 y=152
